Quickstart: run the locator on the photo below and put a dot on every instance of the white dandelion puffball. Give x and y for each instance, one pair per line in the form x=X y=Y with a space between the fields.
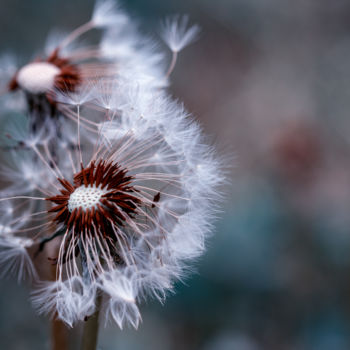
x=132 y=215
x=118 y=174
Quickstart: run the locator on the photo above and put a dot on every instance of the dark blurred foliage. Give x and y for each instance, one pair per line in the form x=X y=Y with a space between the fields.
x=270 y=82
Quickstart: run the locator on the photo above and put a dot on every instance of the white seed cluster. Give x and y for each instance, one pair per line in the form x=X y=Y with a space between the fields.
x=37 y=77
x=85 y=197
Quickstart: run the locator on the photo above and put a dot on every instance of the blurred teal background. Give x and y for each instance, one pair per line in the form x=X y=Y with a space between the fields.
x=269 y=80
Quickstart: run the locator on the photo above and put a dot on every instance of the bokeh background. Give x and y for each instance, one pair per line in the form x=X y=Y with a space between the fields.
x=269 y=80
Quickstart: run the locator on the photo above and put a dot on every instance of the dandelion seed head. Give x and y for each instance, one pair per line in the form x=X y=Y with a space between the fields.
x=37 y=77
x=43 y=76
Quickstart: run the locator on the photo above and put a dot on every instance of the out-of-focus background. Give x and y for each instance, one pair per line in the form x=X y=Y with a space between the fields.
x=269 y=80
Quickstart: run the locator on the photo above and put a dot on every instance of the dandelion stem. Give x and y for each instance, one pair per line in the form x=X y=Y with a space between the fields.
x=59 y=331
x=90 y=332
x=59 y=335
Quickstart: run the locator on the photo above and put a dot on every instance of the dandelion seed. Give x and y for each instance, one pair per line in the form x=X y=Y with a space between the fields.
x=177 y=34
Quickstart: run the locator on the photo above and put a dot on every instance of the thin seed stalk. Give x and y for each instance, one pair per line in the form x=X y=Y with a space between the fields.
x=59 y=331
x=90 y=332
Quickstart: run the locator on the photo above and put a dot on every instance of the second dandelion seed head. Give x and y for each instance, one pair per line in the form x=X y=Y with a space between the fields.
x=41 y=77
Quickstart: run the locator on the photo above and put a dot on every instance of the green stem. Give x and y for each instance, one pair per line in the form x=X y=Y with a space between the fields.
x=90 y=332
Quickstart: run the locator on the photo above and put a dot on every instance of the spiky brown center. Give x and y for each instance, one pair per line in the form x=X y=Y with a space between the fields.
x=100 y=198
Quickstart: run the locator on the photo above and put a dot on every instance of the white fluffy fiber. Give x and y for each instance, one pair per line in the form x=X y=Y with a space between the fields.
x=14 y=258
x=107 y=13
